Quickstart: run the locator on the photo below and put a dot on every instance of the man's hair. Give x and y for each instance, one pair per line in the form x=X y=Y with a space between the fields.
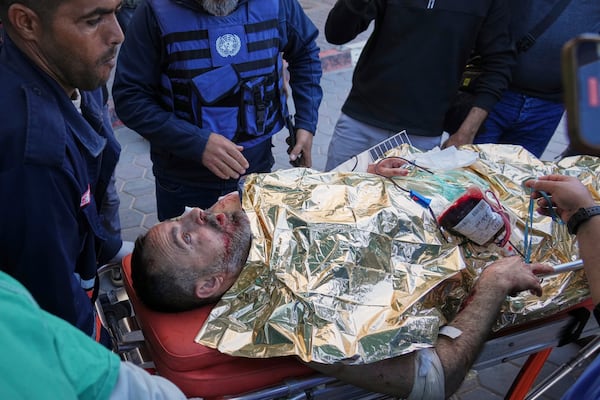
x=43 y=8
x=165 y=287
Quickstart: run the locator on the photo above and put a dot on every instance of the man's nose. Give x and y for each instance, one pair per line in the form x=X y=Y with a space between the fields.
x=197 y=217
x=115 y=31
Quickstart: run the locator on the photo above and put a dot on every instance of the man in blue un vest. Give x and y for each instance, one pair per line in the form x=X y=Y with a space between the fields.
x=203 y=81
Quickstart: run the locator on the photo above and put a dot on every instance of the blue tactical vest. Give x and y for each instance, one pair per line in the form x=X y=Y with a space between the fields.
x=224 y=74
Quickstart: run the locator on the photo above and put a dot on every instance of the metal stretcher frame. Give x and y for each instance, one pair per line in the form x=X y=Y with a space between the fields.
x=535 y=339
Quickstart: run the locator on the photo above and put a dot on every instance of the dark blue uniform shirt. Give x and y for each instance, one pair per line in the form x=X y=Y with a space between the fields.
x=55 y=164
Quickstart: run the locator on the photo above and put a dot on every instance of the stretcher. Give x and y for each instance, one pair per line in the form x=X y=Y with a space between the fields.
x=164 y=344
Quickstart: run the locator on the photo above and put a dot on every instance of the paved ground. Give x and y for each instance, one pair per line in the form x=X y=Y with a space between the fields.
x=136 y=187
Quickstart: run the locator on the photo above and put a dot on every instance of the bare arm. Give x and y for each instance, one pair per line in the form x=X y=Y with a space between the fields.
x=502 y=278
x=468 y=129
x=395 y=376
x=588 y=236
x=568 y=195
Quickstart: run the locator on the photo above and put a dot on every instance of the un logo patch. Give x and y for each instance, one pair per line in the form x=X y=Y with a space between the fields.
x=228 y=45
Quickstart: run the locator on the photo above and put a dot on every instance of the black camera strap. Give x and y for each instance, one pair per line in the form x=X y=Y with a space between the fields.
x=529 y=39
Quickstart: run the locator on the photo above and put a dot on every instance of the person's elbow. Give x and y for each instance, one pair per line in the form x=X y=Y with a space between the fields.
x=335 y=36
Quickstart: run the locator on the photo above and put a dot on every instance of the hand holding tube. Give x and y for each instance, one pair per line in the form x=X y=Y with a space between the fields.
x=567 y=193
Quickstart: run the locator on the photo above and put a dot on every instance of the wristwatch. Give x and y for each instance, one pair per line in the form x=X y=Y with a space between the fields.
x=582 y=215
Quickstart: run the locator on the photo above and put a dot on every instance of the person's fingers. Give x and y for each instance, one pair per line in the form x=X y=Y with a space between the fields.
x=235 y=164
x=536 y=289
x=224 y=158
x=536 y=269
x=296 y=153
x=226 y=165
x=306 y=159
x=239 y=162
x=526 y=281
x=546 y=183
x=546 y=211
x=392 y=162
x=223 y=171
x=544 y=202
x=515 y=275
x=388 y=167
x=394 y=171
x=541 y=269
x=301 y=154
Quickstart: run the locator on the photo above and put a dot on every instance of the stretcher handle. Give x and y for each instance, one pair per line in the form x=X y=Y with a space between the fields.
x=586 y=352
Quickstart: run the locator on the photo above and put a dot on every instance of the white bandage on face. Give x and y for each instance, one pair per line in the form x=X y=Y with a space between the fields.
x=428 y=382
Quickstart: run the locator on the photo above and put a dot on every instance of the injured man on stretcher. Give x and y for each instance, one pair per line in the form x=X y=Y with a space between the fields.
x=197 y=258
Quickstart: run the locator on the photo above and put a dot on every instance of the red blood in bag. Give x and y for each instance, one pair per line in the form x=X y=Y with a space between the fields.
x=460 y=208
x=473 y=217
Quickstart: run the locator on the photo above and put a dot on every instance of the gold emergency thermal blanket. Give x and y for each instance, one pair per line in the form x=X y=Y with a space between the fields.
x=348 y=267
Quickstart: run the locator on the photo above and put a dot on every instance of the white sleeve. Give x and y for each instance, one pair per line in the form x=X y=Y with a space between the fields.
x=135 y=383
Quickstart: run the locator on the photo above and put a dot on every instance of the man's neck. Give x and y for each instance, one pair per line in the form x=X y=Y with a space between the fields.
x=219 y=8
x=35 y=56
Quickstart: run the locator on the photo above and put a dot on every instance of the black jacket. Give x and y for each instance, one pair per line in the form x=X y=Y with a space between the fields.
x=410 y=67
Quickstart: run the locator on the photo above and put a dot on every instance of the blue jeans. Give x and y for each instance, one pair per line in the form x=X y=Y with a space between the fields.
x=522 y=120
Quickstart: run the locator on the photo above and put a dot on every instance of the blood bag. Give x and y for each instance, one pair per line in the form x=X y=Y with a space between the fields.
x=474 y=217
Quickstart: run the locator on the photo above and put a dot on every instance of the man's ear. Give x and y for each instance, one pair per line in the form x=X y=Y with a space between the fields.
x=210 y=286
x=24 y=21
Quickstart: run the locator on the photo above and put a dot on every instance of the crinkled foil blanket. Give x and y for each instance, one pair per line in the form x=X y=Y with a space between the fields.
x=346 y=267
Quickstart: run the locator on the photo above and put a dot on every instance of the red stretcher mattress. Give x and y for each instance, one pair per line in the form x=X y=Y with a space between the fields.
x=197 y=370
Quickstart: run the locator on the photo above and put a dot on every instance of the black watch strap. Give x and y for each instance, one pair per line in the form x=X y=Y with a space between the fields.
x=582 y=215
x=597 y=312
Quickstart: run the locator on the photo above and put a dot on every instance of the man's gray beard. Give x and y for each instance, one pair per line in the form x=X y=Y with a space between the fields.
x=219 y=8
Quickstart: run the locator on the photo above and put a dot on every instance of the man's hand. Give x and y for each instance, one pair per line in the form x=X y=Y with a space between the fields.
x=503 y=277
x=301 y=154
x=224 y=158
x=457 y=139
x=513 y=275
x=388 y=167
x=468 y=129
x=567 y=192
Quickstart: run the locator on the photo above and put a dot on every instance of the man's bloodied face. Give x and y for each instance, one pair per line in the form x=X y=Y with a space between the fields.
x=219 y=236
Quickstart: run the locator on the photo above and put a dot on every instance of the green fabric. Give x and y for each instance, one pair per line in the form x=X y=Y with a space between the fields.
x=44 y=357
